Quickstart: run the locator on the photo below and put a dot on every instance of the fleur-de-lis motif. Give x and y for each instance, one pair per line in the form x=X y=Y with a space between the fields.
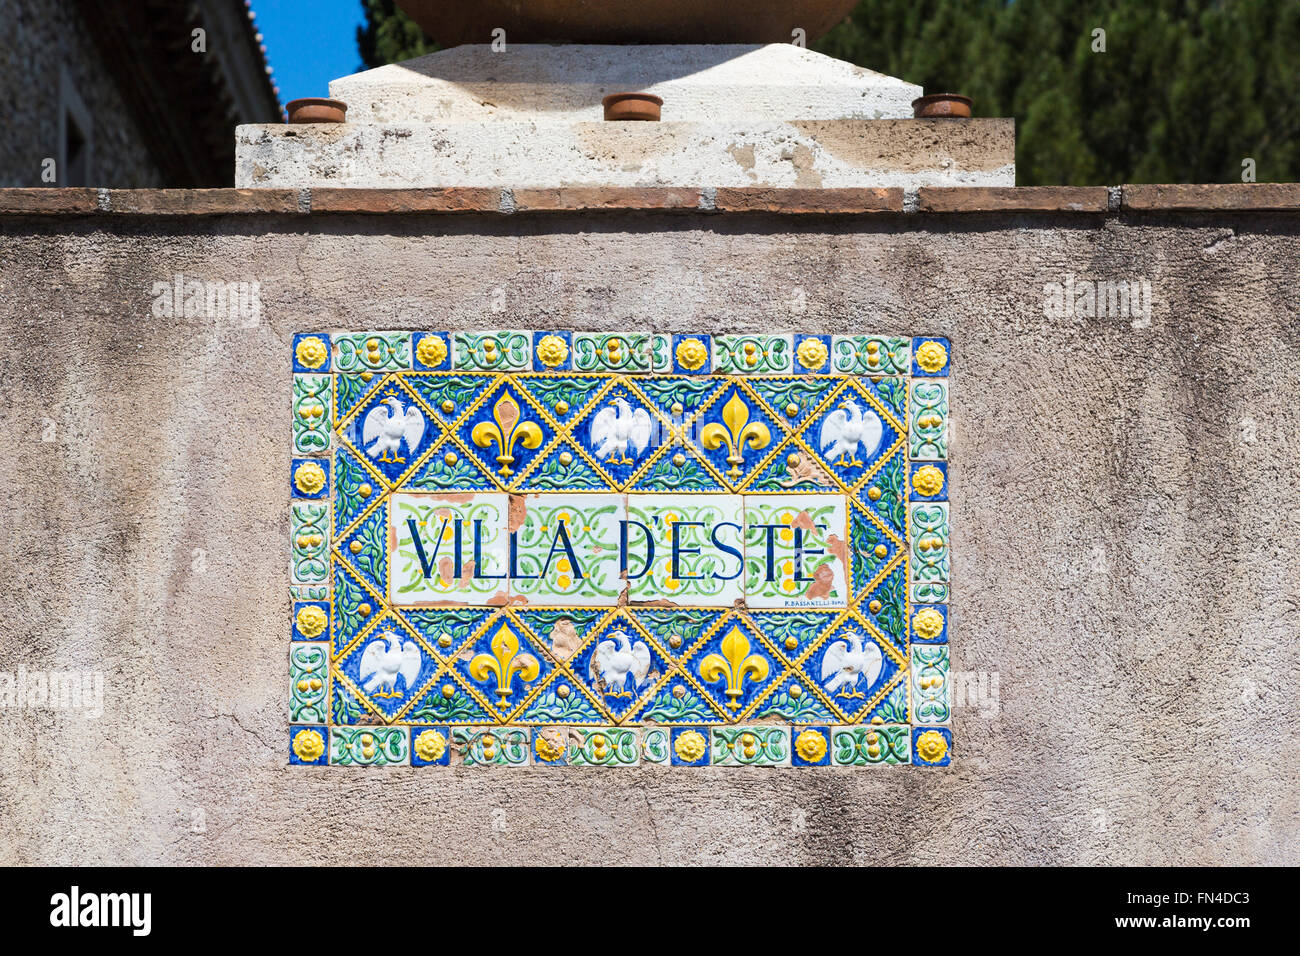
x=506 y=429
x=734 y=664
x=504 y=661
x=738 y=433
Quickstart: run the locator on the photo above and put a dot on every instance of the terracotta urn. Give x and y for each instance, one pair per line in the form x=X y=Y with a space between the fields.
x=316 y=110
x=942 y=106
x=632 y=106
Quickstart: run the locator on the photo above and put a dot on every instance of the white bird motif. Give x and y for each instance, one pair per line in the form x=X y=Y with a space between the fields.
x=384 y=660
x=845 y=667
x=617 y=426
x=614 y=664
x=385 y=428
x=845 y=429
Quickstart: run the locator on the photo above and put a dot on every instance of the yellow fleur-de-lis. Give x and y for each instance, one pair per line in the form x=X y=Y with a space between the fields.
x=734 y=664
x=504 y=661
x=506 y=429
x=738 y=433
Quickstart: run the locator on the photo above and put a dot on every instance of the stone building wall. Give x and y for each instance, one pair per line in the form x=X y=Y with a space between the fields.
x=1123 y=513
x=43 y=38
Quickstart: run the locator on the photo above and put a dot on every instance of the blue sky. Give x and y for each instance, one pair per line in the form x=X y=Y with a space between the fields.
x=309 y=43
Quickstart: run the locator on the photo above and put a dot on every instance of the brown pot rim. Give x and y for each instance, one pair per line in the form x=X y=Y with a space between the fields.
x=621 y=97
x=921 y=102
x=327 y=110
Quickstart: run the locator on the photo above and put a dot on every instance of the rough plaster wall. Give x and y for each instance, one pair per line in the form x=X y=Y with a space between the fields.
x=1123 y=538
x=40 y=38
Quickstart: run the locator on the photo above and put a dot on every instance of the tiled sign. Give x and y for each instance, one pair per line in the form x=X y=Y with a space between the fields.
x=533 y=548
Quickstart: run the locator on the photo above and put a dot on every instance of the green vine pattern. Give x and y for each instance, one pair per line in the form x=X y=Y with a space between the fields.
x=893 y=709
x=575 y=392
x=348 y=598
x=893 y=608
x=860 y=746
x=654 y=746
x=551 y=708
x=752 y=354
x=865 y=537
x=311 y=420
x=461 y=475
x=373 y=351
x=308 y=683
x=577 y=475
x=668 y=708
x=889 y=482
x=751 y=746
x=604 y=747
x=347 y=710
x=802 y=628
x=929 y=560
x=310 y=540
x=460 y=390
x=368 y=745
x=666 y=475
x=801 y=394
x=894 y=392
x=928 y=434
x=349 y=390
x=492 y=351
x=614 y=353
x=437 y=708
x=871 y=355
x=805 y=708
x=349 y=476
x=684 y=625
x=503 y=747
x=690 y=392
x=930 y=683
x=459 y=625
x=370 y=560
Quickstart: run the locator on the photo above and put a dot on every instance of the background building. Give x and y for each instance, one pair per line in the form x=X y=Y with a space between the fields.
x=128 y=93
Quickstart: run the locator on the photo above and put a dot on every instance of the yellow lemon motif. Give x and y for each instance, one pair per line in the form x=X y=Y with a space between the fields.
x=927 y=480
x=812 y=354
x=810 y=746
x=931 y=746
x=430 y=744
x=932 y=356
x=309 y=478
x=692 y=354
x=691 y=746
x=552 y=351
x=311 y=352
x=311 y=621
x=308 y=745
x=431 y=351
x=928 y=623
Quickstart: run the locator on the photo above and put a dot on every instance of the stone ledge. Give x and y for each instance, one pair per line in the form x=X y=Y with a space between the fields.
x=1013 y=199
x=1251 y=197
x=816 y=201
x=201 y=202
x=1259 y=197
x=48 y=202
x=397 y=201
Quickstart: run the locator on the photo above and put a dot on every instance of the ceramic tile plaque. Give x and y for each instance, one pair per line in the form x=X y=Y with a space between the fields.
x=552 y=548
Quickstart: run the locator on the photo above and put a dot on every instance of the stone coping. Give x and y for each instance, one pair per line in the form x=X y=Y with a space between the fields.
x=1253 y=197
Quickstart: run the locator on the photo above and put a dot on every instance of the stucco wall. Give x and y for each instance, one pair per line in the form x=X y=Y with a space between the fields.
x=1124 y=508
